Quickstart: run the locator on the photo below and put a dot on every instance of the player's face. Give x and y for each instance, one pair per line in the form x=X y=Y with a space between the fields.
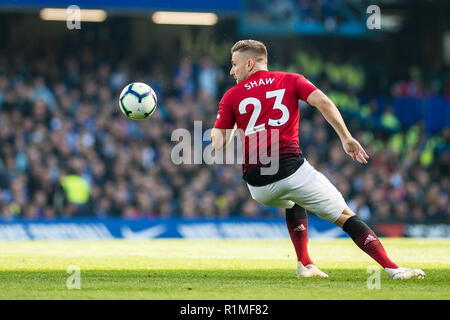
x=240 y=69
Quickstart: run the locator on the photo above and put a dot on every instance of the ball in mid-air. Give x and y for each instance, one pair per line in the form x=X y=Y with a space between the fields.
x=137 y=101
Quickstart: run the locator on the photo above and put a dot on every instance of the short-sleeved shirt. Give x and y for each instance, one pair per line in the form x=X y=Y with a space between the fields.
x=266 y=107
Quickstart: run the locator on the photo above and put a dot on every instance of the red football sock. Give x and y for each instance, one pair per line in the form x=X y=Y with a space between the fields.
x=297 y=224
x=367 y=241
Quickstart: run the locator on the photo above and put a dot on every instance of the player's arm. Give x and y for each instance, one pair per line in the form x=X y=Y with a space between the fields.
x=225 y=125
x=220 y=138
x=351 y=146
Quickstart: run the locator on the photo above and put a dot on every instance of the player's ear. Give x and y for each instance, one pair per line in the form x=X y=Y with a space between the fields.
x=250 y=63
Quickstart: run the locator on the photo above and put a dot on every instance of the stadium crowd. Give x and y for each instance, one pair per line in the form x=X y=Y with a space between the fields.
x=66 y=150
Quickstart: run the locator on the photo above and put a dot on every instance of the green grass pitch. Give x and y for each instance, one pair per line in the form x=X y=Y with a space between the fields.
x=220 y=269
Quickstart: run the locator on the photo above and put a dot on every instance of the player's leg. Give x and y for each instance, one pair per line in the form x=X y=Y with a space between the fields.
x=364 y=237
x=367 y=240
x=313 y=191
x=297 y=224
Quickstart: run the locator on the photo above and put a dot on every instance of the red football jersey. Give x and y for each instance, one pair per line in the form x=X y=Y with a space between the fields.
x=265 y=102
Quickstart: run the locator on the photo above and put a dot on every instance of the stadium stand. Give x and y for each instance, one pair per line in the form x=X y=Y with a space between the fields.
x=67 y=151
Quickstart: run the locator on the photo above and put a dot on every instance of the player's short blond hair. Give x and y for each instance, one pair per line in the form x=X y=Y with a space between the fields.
x=256 y=49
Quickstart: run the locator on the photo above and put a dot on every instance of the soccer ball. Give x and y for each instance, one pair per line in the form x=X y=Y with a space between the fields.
x=137 y=101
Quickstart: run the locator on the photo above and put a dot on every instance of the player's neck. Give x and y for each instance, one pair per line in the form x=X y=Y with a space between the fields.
x=257 y=69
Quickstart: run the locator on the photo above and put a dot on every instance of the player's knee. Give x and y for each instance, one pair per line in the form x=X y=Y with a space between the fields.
x=347 y=213
x=343 y=217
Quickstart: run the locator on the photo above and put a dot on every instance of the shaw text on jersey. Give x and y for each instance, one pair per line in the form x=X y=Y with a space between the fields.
x=262 y=81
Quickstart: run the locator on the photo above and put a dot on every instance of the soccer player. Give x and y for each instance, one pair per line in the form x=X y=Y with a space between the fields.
x=264 y=107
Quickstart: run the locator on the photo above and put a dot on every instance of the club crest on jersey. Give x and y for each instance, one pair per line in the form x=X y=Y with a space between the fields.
x=255 y=83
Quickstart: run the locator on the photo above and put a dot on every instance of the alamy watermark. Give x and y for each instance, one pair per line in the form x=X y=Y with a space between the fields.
x=263 y=148
x=73 y=20
x=74 y=280
x=374 y=281
x=374 y=20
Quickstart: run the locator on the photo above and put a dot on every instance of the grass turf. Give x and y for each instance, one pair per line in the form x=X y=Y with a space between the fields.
x=221 y=269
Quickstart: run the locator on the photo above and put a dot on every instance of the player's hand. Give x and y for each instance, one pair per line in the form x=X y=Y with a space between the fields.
x=354 y=150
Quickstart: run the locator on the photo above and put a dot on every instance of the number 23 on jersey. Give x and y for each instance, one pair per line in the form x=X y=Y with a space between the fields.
x=251 y=127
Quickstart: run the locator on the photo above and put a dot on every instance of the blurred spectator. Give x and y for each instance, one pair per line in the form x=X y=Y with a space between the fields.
x=184 y=82
x=389 y=121
x=281 y=11
x=329 y=14
x=305 y=10
x=359 y=206
x=208 y=77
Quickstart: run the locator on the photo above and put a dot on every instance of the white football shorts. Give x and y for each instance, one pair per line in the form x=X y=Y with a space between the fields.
x=306 y=187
